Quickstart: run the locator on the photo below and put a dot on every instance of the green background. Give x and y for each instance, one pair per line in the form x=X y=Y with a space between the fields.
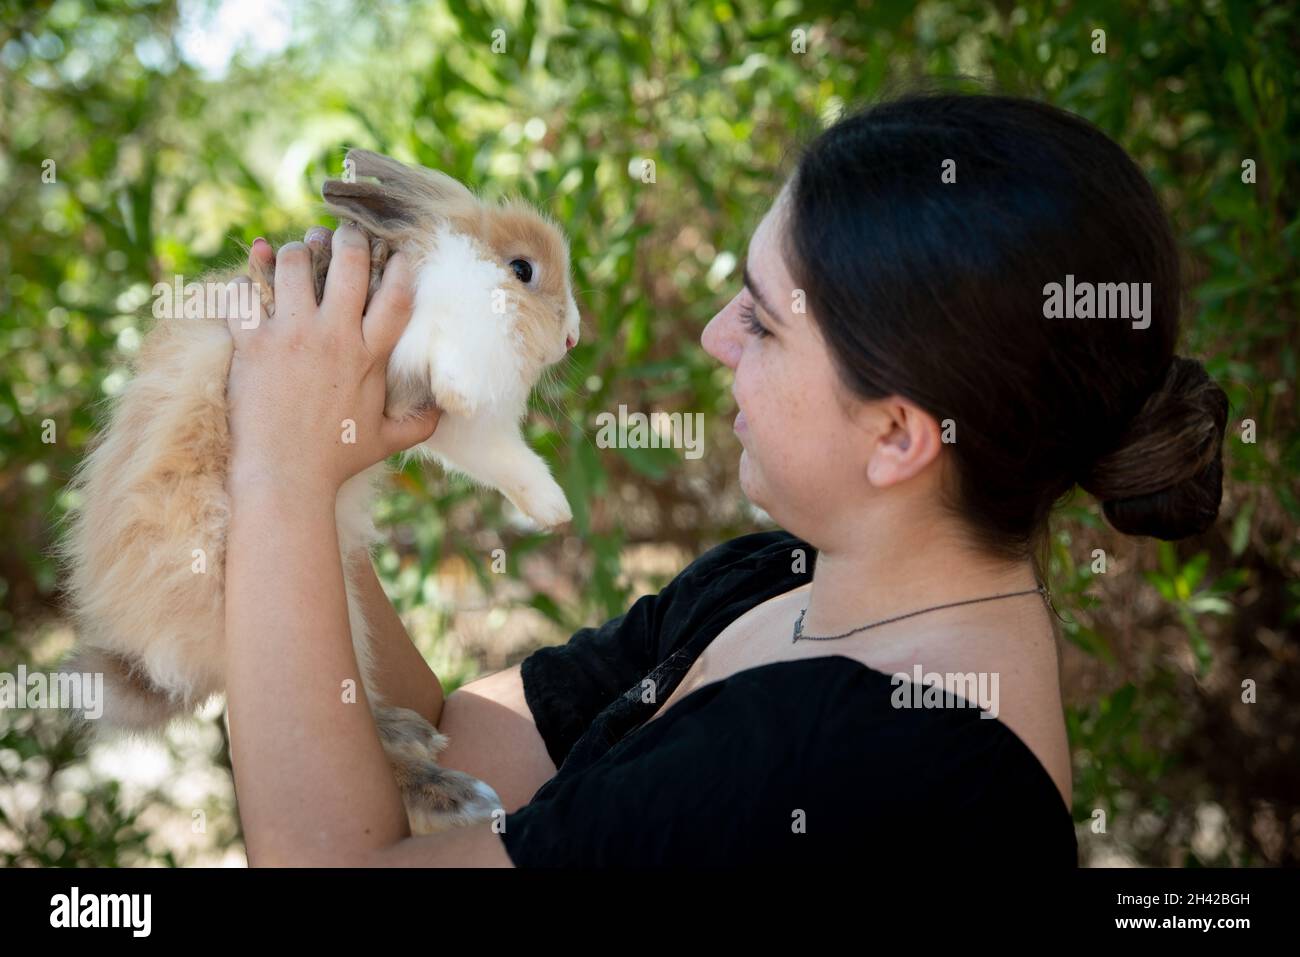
x=163 y=167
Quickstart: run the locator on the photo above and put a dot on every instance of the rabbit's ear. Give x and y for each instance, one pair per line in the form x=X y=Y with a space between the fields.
x=429 y=185
x=404 y=198
x=375 y=208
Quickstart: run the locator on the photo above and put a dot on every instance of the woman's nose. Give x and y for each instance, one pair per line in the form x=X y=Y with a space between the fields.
x=719 y=338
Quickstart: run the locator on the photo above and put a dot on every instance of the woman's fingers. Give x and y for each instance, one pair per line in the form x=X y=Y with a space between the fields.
x=390 y=309
x=349 y=273
x=295 y=295
x=239 y=305
x=406 y=433
x=260 y=254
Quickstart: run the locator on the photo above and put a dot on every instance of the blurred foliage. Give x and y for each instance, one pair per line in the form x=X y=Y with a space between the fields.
x=165 y=159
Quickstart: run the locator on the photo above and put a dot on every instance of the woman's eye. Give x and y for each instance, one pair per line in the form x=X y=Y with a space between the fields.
x=523 y=270
x=749 y=316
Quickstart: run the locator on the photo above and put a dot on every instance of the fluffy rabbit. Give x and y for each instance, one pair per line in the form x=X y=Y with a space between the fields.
x=493 y=306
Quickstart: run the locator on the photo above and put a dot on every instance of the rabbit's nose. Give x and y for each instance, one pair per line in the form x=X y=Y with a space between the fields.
x=569 y=342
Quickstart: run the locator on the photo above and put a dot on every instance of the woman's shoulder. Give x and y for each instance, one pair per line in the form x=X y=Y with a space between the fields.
x=830 y=734
x=868 y=712
x=798 y=762
x=837 y=711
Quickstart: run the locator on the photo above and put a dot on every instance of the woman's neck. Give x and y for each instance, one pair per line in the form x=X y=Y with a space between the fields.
x=857 y=580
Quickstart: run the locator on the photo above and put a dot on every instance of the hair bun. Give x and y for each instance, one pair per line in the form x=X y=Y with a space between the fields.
x=1165 y=476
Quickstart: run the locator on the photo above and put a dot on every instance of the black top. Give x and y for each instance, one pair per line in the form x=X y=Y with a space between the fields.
x=795 y=762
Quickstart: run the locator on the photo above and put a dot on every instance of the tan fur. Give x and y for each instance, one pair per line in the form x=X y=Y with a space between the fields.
x=152 y=489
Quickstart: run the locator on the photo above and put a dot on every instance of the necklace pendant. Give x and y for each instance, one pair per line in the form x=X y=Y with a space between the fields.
x=798 y=627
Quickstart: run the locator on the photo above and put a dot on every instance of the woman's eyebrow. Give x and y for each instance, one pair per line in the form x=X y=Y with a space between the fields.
x=758 y=296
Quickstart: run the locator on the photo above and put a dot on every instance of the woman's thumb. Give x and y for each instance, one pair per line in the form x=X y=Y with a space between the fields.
x=412 y=429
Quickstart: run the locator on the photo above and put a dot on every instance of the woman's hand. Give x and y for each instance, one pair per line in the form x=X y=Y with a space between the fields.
x=307 y=386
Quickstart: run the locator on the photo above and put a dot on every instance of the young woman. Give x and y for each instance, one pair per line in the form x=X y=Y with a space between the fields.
x=914 y=396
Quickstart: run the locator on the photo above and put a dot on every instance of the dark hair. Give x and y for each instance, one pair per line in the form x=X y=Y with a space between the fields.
x=936 y=291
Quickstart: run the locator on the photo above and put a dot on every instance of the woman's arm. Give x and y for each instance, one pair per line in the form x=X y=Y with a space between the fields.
x=404 y=677
x=492 y=736
x=313 y=783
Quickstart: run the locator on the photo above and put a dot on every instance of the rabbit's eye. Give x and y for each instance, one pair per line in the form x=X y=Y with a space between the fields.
x=523 y=270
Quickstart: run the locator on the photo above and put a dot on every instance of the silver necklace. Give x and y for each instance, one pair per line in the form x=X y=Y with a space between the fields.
x=798 y=625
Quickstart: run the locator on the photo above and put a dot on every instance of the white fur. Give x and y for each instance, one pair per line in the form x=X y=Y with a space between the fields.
x=454 y=336
x=473 y=353
x=130 y=546
x=472 y=356
x=154 y=498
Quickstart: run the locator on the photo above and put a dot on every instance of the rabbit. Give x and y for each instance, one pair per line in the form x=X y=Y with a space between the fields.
x=493 y=306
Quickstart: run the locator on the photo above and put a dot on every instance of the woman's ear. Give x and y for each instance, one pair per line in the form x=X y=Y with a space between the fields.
x=905 y=439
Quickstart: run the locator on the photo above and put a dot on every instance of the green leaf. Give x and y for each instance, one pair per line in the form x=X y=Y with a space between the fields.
x=1240 y=536
x=1192 y=573
x=652 y=463
x=547 y=606
x=1197 y=642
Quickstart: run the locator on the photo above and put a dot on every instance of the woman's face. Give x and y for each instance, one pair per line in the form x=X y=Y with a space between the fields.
x=811 y=450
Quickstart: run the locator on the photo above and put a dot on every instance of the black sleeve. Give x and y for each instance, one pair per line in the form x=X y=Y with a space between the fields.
x=685 y=799
x=753 y=771
x=567 y=686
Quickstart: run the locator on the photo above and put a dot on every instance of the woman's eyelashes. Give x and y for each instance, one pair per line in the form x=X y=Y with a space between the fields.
x=749 y=316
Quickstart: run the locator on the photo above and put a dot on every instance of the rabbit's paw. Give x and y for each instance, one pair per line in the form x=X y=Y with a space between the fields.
x=407 y=735
x=437 y=798
x=543 y=502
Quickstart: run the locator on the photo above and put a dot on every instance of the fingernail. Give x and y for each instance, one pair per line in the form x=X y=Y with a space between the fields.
x=317 y=234
x=259 y=239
